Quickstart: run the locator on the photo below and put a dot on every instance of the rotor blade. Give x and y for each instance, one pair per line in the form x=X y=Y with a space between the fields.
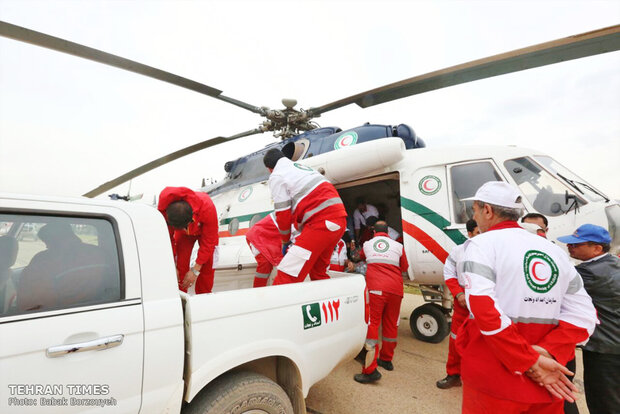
x=573 y=47
x=22 y=34
x=166 y=159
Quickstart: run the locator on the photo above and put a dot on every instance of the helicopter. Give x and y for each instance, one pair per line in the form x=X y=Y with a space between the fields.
x=420 y=188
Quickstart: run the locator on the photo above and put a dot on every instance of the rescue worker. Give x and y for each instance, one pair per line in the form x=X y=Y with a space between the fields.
x=539 y=220
x=339 y=260
x=600 y=272
x=529 y=311
x=264 y=241
x=460 y=311
x=303 y=197
x=191 y=217
x=392 y=234
x=384 y=279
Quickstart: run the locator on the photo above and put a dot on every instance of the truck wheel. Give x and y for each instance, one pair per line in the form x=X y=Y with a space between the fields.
x=429 y=323
x=241 y=392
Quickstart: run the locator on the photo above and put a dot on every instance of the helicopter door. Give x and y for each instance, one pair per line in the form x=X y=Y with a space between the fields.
x=425 y=214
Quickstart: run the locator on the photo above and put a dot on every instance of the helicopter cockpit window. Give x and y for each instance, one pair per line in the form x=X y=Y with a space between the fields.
x=544 y=191
x=580 y=185
x=466 y=179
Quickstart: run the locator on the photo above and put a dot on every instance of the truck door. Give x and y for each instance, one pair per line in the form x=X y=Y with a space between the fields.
x=71 y=319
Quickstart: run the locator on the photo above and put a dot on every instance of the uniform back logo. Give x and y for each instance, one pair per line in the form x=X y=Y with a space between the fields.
x=541 y=272
x=302 y=167
x=381 y=246
x=346 y=140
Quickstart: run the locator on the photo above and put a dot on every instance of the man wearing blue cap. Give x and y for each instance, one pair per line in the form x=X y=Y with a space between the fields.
x=600 y=272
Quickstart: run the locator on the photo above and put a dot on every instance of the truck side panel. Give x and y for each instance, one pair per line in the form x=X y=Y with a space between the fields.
x=316 y=325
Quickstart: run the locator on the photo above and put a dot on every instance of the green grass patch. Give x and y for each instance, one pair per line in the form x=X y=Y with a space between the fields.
x=412 y=289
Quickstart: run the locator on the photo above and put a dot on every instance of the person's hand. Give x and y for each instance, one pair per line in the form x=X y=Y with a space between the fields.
x=551 y=374
x=542 y=351
x=461 y=300
x=350 y=266
x=189 y=280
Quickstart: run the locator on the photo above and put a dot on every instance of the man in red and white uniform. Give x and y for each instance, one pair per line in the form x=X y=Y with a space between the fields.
x=264 y=241
x=339 y=259
x=529 y=311
x=460 y=311
x=191 y=217
x=386 y=264
x=305 y=198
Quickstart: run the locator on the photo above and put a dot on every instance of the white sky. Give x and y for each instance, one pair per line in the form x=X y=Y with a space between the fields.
x=68 y=125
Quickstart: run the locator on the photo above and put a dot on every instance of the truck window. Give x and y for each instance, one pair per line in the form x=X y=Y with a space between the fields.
x=545 y=192
x=466 y=179
x=49 y=263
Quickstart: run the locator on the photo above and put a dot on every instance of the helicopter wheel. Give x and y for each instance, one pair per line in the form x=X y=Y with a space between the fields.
x=429 y=323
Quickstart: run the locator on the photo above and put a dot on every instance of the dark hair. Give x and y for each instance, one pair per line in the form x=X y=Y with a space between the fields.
x=605 y=247
x=370 y=221
x=471 y=225
x=179 y=214
x=271 y=157
x=381 y=227
x=346 y=236
x=535 y=216
x=360 y=200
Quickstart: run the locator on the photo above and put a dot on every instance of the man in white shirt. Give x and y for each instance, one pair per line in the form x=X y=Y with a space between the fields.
x=360 y=215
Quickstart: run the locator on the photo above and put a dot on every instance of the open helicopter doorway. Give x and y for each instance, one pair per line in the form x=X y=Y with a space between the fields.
x=381 y=191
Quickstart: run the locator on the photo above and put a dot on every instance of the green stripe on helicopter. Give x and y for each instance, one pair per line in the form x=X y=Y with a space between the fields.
x=433 y=218
x=247 y=217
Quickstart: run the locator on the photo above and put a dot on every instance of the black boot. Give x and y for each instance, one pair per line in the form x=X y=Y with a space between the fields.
x=449 y=381
x=368 y=378
x=385 y=364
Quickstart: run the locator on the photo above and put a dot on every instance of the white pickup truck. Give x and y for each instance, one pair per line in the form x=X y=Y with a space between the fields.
x=91 y=321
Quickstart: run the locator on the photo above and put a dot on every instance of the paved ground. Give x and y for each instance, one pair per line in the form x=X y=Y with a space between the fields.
x=409 y=389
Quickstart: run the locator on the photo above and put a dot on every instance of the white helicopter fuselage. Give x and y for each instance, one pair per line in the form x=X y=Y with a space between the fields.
x=423 y=198
x=419 y=192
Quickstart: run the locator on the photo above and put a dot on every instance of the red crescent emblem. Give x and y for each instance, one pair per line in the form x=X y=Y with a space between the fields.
x=534 y=271
x=425 y=187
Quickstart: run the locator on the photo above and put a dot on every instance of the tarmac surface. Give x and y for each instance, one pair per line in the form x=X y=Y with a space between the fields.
x=409 y=389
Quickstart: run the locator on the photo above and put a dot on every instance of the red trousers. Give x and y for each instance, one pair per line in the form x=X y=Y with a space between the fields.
x=476 y=402
x=184 y=247
x=263 y=270
x=453 y=366
x=311 y=252
x=384 y=311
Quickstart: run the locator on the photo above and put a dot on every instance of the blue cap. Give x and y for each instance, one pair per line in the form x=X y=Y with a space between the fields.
x=587 y=233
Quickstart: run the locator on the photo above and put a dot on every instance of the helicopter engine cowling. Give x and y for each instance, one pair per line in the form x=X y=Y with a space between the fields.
x=358 y=161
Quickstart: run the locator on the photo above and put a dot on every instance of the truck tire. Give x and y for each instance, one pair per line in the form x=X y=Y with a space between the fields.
x=429 y=323
x=241 y=392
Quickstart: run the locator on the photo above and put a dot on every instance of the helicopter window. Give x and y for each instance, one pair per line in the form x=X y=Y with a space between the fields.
x=255 y=219
x=571 y=179
x=544 y=191
x=233 y=226
x=466 y=179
